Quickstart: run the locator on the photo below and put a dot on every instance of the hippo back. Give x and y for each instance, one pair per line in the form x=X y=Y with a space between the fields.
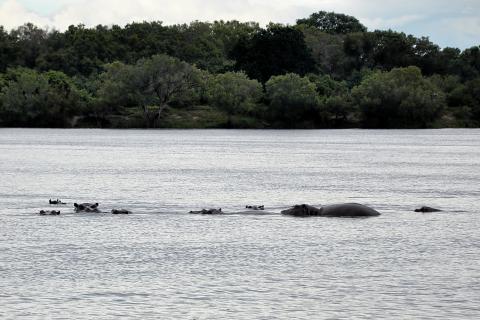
x=348 y=210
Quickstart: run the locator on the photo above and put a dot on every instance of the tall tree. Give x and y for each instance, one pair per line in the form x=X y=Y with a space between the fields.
x=274 y=51
x=334 y=23
x=7 y=50
x=150 y=84
x=30 y=43
x=38 y=99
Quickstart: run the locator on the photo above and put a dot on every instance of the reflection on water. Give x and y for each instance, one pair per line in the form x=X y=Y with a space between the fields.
x=162 y=263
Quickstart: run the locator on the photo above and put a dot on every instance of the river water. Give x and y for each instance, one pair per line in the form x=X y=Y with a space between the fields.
x=163 y=263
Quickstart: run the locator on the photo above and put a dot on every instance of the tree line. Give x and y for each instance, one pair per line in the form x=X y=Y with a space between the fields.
x=326 y=71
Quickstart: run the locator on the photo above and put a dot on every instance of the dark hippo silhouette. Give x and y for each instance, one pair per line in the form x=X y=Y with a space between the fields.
x=56 y=202
x=86 y=207
x=255 y=207
x=121 y=211
x=49 y=213
x=427 y=209
x=336 y=210
x=209 y=211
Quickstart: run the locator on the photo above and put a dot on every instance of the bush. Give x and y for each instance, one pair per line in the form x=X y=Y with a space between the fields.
x=293 y=100
x=234 y=92
x=401 y=98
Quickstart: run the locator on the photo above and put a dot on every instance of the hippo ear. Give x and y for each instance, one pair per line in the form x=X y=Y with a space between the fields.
x=96 y=204
x=75 y=205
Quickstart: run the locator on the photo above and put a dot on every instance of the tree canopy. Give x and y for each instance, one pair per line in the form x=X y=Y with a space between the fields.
x=273 y=51
x=401 y=97
x=328 y=70
x=334 y=23
x=293 y=99
x=151 y=84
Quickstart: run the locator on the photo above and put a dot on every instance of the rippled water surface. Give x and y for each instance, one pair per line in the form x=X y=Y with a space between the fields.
x=162 y=263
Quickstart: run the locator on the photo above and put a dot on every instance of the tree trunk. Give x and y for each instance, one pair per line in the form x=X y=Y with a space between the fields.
x=152 y=115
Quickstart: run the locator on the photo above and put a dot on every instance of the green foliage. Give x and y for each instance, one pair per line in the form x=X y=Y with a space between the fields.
x=472 y=93
x=127 y=76
x=463 y=98
x=337 y=103
x=334 y=23
x=196 y=43
x=274 y=51
x=470 y=63
x=399 y=98
x=326 y=51
x=340 y=110
x=29 y=43
x=231 y=32
x=392 y=49
x=452 y=87
x=7 y=50
x=293 y=100
x=30 y=98
x=151 y=84
x=234 y=92
x=327 y=86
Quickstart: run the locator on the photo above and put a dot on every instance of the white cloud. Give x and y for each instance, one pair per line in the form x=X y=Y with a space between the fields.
x=13 y=14
x=91 y=12
x=395 y=22
x=468 y=25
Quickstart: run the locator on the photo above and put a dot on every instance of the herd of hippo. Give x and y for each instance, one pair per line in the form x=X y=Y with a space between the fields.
x=79 y=208
x=303 y=210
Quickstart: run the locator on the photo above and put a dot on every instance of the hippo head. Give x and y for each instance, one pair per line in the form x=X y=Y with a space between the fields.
x=302 y=210
x=86 y=207
x=296 y=210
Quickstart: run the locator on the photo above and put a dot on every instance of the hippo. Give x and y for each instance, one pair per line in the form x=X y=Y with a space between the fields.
x=427 y=209
x=49 y=213
x=209 y=211
x=121 y=211
x=255 y=207
x=336 y=210
x=86 y=207
x=56 y=202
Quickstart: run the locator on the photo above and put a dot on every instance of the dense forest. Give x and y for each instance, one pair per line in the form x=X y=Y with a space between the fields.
x=326 y=71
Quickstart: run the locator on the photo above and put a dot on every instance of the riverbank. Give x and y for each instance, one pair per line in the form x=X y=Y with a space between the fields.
x=207 y=117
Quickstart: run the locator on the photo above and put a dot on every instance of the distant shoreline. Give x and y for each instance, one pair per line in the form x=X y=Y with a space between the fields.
x=326 y=71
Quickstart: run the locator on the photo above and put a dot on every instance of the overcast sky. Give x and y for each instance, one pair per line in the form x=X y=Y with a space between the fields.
x=446 y=22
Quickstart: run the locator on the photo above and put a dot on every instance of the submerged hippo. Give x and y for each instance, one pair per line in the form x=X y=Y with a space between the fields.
x=56 y=202
x=86 y=207
x=336 y=210
x=209 y=211
x=255 y=207
x=121 y=211
x=427 y=209
x=49 y=213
